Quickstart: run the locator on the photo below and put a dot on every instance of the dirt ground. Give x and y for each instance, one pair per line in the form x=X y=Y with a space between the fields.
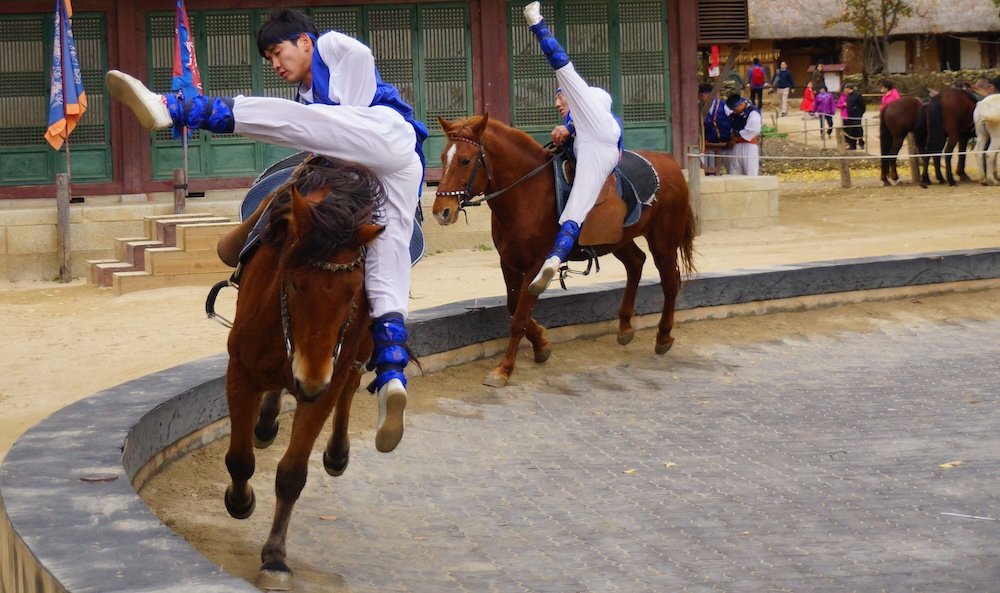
x=65 y=342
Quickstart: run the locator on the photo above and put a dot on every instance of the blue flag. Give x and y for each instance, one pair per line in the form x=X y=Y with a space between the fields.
x=187 y=78
x=67 y=100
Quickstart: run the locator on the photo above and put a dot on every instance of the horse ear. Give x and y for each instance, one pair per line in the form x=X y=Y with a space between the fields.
x=368 y=233
x=479 y=125
x=445 y=124
x=298 y=220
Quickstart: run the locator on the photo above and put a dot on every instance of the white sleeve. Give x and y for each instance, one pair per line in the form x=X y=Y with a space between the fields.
x=352 y=69
x=752 y=129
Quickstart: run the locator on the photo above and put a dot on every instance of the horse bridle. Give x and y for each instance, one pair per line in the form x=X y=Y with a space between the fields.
x=465 y=195
x=286 y=317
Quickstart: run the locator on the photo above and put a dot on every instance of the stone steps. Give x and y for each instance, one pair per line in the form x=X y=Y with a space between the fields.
x=178 y=249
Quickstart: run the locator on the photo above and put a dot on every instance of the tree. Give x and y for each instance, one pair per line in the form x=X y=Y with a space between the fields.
x=874 y=20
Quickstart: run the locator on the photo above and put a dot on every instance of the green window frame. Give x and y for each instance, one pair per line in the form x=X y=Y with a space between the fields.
x=618 y=45
x=425 y=50
x=25 y=69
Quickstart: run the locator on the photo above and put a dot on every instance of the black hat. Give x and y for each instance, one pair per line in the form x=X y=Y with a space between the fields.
x=733 y=100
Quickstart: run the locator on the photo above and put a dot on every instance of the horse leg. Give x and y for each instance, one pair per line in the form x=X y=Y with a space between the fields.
x=948 y=147
x=937 y=170
x=338 y=448
x=519 y=323
x=665 y=257
x=267 y=421
x=244 y=401
x=897 y=145
x=274 y=574
x=924 y=164
x=633 y=259
x=963 y=145
x=533 y=330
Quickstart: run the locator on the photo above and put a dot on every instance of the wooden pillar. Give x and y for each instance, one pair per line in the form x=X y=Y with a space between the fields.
x=682 y=31
x=694 y=184
x=845 y=171
x=62 y=227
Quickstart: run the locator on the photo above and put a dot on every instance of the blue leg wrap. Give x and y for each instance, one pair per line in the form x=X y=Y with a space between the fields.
x=214 y=114
x=565 y=240
x=390 y=355
x=554 y=52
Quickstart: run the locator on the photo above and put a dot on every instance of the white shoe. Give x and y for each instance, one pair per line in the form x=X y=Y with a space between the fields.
x=533 y=13
x=391 y=406
x=149 y=107
x=545 y=275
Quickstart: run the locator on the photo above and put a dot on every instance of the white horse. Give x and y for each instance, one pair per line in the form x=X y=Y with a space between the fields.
x=987 y=120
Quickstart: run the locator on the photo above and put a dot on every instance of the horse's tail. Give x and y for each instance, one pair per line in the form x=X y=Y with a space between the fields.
x=933 y=126
x=885 y=136
x=686 y=247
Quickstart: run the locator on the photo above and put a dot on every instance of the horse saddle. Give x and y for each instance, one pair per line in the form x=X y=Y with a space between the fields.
x=277 y=175
x=630 y=188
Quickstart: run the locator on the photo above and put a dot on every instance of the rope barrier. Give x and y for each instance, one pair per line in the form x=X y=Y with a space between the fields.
x=849 y=157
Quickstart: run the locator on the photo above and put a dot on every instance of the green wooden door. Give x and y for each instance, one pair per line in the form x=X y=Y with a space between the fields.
x=25 y=65
x=618 y=45
x=423 y=49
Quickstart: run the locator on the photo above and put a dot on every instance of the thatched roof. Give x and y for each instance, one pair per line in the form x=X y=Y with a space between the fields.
x=790 y=19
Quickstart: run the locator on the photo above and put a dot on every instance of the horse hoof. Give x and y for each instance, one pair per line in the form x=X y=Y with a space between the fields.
x=336 y=467
x=543 y=354
x=662 y=348
x=625 y=337
x=264 y=437
x=495 y=380
x=270 y=579
x=239 y=512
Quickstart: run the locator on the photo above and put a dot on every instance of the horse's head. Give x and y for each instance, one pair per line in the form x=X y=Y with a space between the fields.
x=323 y=223
x=464 y=171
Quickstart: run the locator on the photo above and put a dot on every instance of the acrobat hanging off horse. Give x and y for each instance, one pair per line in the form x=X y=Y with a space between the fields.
x=591 y=131
x=343 y=110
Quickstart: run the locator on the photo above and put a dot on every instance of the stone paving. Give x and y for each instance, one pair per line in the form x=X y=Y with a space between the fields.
x=796 y=466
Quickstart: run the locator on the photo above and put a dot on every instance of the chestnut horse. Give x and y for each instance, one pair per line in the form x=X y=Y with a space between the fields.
x=899 y=118
x=301 y=325
x=484 y=155
x=949 y=123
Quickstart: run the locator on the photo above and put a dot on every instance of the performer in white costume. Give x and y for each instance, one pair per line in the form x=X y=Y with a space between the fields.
x=344 y=110
x=745 y=154
x=596 y=141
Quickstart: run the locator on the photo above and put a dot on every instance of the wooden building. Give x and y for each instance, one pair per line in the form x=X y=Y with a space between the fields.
x=449 y=59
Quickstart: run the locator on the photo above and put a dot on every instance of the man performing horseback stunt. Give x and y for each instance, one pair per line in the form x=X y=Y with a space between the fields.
x=596 y=137
x=343 y=110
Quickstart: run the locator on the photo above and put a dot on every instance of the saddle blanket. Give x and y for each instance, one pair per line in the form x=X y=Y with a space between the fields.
x=635 y=179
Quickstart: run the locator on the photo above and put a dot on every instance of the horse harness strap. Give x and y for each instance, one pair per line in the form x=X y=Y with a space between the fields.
x=286 y=317
x=465 y=195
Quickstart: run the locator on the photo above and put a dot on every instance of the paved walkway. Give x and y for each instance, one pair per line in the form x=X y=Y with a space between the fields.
x=794 y=466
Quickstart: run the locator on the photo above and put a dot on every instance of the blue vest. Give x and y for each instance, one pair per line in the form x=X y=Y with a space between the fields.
x=385 y=94
x=568 y=122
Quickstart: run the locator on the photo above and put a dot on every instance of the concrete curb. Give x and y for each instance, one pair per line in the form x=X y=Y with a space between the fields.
x=72 y=521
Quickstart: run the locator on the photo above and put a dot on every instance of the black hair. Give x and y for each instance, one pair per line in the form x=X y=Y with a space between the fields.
x=704 y=88
x=888 y=84
x=756 y=61
x=283 y=24
x=732 y=100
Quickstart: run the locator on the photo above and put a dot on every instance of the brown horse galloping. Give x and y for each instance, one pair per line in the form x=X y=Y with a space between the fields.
x=899 y=118
x=302 y=325
x=483 y=155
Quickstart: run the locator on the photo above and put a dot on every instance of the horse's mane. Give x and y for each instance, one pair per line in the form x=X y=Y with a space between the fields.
x=519 y=140
x=354 y=196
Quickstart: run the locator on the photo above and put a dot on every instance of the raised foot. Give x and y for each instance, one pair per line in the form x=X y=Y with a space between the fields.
x=149 y=107
x=335 y=466
x=239 y=511
x=544 y=276
x=263 y=437
x=625 y=336
x=495 y=379
x=662 y=348
x=391 y=408
x=533 y=13
x=274 y=579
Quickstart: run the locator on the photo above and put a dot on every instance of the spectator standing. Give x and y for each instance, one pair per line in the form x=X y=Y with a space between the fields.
x=825 y=109
x=718 y=130
x=757 y=77
x=745 y=156
x=783 y=84
x=808 y=100
x=818 y=76
x=854 y=132
x=889 y=94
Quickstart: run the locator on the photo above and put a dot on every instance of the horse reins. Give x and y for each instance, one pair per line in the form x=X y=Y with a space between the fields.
x=286 y=317
x=465 y=195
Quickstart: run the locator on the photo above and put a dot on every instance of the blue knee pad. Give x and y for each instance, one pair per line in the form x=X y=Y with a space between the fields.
x=565 y=240
x=390 y=356
x=554 y=52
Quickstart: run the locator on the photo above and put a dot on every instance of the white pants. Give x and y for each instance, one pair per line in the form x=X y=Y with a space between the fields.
x=377 y=137
x=783 y=94
x=744 y=159
x=596 y=143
